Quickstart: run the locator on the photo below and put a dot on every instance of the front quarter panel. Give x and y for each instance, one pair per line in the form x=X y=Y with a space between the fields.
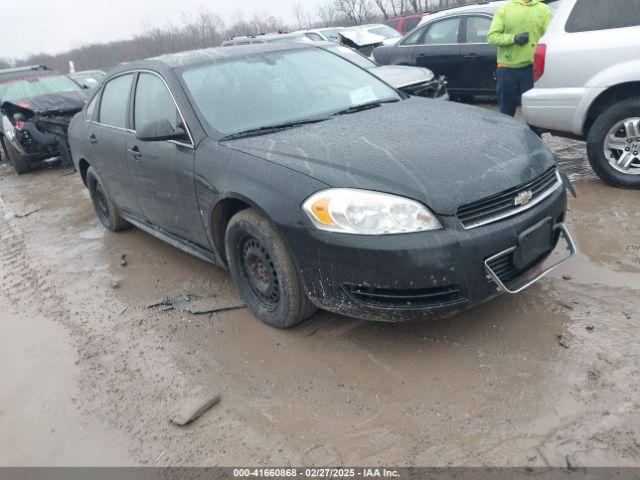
x=278 y=192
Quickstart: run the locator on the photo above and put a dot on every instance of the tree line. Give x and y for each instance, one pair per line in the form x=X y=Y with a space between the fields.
x=204 y=29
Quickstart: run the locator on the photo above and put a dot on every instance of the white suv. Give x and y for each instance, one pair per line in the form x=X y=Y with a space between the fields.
x=587 y=73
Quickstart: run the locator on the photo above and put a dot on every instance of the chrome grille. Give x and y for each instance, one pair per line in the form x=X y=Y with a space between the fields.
x=504 y=205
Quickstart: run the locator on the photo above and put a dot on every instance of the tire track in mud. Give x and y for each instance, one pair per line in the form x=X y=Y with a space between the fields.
x=19 y=281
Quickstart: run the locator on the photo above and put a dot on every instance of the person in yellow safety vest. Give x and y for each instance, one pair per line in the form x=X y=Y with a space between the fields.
x=516 y=29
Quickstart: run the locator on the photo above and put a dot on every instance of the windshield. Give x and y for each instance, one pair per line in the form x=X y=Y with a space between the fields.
x=332 y=34
x=385 y=31
x=353 y=56
x=28 y=87
x=244 y=93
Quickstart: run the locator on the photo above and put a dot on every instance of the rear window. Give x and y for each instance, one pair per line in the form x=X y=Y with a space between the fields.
x=32 y=86
x=411 y=23
x=590 y=15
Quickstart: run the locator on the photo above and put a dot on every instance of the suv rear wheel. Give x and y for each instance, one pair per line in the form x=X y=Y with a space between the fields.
x=264 y=271
x=613 y=144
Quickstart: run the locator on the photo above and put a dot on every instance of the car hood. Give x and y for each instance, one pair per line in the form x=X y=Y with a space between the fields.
x=399 y=76
x=439 y=153
x=49 y=104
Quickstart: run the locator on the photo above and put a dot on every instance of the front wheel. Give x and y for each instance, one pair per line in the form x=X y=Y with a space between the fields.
x=264 y=271
x=20 y=165
x=613 y=144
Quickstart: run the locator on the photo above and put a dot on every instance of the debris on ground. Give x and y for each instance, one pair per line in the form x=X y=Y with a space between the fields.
x=566 y=305
x=122 y=260
x=567 y=277
x=562 y=341
x=571 y=463
x=197 y=304
x=196 y=404
x=25 y=215
x=115 y=284
x=590 y=328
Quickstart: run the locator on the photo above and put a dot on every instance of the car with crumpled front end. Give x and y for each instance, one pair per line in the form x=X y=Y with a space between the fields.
x=320 y=186
x=36 y=106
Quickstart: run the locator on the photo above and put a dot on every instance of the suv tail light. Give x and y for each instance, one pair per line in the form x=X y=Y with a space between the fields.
x=539 y=62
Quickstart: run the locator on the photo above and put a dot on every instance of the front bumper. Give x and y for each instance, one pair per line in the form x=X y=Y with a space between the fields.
x=406 y=277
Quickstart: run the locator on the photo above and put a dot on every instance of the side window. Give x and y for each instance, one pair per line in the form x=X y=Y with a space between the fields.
x=115 y=101
x=91 y=109
x=590 y=15
x=443 y=33
x=154 y=102
x=478 y=29
x=411 y=23
x=413 y=38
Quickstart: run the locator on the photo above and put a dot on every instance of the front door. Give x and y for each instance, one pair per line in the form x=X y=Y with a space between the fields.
x=163 y=171
x=439 y=50
x=478 y=58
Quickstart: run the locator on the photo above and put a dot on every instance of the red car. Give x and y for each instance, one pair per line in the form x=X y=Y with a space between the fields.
x=405 y=24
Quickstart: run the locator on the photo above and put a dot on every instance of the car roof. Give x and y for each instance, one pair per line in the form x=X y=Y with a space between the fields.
x=483 y=7
x=195 y=57
x=22 y=72
x=410 y=15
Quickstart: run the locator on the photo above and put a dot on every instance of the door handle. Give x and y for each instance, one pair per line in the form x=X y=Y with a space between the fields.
x=92 y=139
x=135 y=152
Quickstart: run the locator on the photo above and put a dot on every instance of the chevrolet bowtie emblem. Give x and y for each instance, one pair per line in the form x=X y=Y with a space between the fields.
x=524 y=198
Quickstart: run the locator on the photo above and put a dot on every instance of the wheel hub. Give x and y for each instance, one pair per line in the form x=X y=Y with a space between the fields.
x=260 y=272
x=622 y=146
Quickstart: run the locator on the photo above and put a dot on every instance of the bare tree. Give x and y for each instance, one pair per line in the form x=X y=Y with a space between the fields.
x=303 y=19
x=357 y=11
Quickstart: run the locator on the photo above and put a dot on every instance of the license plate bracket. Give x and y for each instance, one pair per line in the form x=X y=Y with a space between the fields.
x=533 y=243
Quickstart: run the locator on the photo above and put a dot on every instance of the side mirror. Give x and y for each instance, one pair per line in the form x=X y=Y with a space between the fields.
x=160 y=131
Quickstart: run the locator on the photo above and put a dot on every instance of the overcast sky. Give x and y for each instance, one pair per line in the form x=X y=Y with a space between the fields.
x=53 y=26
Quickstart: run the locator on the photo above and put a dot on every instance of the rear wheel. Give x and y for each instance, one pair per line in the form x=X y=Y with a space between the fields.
x=105 y=209
x=19 y=164
x=613 y=144
x=265 y=272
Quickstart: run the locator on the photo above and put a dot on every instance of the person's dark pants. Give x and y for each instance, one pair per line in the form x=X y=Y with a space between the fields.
x=512 y=83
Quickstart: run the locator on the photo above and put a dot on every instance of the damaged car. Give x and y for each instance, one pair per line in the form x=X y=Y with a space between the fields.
x=320 y=186
x=420 y=82
x=36 y=106
x=365 y=38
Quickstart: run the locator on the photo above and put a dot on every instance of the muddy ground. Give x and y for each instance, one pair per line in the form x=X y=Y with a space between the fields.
x=91 y=376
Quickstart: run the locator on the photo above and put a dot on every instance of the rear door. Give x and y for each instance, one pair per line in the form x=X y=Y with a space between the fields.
x=438 y=49
x=478 y=58
x=107 y=133
x=163 y=171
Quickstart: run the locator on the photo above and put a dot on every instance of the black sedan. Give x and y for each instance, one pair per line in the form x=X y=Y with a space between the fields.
x=452 y=43
x=36 y=106
x=318 y=185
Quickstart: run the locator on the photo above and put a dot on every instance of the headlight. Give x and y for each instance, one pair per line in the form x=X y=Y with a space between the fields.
x=8 y=129
x=363 y=212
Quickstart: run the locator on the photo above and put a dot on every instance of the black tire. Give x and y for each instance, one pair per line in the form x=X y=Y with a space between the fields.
x=595 y=143
x=105 y=209
x=264 y=271
x=19 y=164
